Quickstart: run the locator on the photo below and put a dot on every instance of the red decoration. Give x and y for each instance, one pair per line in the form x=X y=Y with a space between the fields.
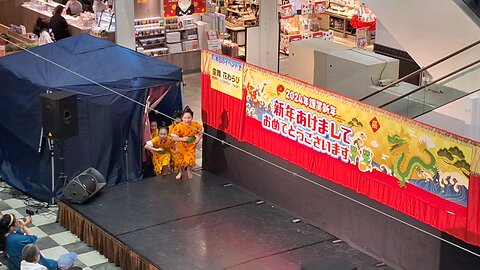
x=374 y=124
x=170 y=7
x=280 y=89
x=226 y=113
x=356 y=23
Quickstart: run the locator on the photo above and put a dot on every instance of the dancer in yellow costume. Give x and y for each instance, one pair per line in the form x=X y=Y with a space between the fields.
x=177 y=118
x=187 y=134
x=160 y=147
x=153 y=128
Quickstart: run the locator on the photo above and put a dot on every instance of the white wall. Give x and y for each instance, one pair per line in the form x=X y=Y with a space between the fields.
x=385 y=38
x=427 y=29
x=262 y=43
x=124 y=31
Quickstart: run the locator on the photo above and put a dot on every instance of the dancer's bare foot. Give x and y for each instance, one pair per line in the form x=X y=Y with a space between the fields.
x=189 y=173
x=179 y=176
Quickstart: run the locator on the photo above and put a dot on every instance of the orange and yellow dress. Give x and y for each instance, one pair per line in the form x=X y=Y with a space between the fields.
x=186 y=150
x=154 y=133
x=173 y=150
x=161 y=159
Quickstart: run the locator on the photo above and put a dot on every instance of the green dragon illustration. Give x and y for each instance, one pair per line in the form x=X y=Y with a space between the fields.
x=415 y=162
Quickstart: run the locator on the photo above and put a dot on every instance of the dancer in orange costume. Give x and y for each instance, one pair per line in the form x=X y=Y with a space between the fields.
x=160 y=147
x=177 y=118
x=187 y=134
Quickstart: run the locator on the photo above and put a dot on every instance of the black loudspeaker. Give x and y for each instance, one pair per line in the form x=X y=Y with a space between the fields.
x=59 y=115
x=328 y=263
x=84 y=186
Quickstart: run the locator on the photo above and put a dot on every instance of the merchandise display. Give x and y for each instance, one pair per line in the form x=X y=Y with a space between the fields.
x=150 y=35
x=229 y=48
x=101 y=25
x=312 y=22
x=305 y=19
x=158 y=36
x=242 y=13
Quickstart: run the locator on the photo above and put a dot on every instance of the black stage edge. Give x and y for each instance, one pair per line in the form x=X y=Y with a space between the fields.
x=390 y=241
x=203 y=223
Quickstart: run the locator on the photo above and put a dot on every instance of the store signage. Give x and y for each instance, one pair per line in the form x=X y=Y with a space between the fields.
x=173 y=8
x=213 y=41
x=226 y=75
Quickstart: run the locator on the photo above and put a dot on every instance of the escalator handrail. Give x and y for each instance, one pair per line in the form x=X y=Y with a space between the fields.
x=430 y=83
x=421 y=70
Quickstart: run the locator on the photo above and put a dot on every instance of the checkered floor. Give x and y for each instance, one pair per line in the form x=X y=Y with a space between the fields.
x=53 y=239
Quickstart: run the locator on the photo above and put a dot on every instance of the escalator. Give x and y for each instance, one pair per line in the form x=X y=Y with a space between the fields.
x=433 y=94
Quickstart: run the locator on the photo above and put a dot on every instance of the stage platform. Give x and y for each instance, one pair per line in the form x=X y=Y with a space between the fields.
x=203 y=223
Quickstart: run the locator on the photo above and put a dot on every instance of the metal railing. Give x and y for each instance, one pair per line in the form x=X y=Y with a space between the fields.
x=423 y=69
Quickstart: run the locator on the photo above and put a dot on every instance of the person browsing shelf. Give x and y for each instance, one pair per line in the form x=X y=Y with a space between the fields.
x=58 y=24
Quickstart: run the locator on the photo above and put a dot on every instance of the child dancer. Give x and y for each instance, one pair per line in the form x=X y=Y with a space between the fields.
x=160 y=147
x=177 y=118
x=187 y=134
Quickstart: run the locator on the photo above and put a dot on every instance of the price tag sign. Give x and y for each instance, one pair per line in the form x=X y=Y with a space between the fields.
x=213 y=41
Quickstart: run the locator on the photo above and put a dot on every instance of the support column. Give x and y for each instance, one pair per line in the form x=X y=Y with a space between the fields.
x=124 y=15
x=262 y=43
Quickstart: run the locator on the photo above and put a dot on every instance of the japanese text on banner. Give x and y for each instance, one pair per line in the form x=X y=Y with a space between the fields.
x=226 y=75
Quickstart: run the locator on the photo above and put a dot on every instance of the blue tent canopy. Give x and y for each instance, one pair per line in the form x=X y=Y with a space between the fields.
x=110 y=126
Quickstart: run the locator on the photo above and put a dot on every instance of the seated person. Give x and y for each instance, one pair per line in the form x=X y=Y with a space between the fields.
x=31 y=258
x=67 y=261
x=74 y=7
x=14 y=236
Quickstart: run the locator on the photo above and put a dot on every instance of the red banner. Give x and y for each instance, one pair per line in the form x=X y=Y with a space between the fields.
x=229 y=114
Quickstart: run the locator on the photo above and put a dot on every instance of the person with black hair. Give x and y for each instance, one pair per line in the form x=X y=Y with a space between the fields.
x=41 y=29
x=58 y=24
x=187 y=134
x=14 y=236
x=160 y=147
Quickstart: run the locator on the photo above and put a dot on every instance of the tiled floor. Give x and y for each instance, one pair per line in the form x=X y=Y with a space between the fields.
x=53 y=239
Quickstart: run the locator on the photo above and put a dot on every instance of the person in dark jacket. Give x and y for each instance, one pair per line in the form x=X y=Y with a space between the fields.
x=58 y=24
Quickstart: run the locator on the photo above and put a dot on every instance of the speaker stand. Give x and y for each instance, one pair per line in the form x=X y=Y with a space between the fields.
x=61 y=174
x=125 y=150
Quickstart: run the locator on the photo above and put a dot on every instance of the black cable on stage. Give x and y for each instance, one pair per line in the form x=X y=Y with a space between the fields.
x=256 y=156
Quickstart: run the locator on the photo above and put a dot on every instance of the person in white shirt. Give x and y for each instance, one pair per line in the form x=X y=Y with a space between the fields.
x=31 y=258
x=99 y=6
x=74 y=7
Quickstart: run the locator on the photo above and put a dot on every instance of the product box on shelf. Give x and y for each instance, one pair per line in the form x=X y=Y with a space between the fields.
x=190 y=45
x=173 y=37
x=174 y=47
